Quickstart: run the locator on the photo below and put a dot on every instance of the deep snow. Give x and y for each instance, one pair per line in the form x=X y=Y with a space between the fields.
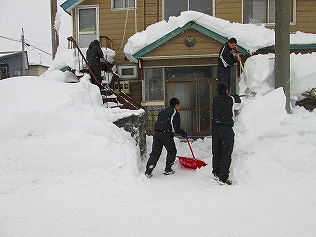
x=67 y=170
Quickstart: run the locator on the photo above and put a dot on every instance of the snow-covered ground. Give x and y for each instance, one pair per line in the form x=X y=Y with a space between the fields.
x=67 y=170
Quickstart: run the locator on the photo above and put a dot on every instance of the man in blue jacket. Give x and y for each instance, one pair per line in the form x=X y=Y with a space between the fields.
x=226 y=59
x=222 y=133
x=167 y=124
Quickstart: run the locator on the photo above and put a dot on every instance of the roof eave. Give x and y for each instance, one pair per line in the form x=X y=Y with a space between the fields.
x=70 y=4
x=292 y=47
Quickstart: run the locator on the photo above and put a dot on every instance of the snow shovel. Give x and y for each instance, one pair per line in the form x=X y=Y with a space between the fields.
x=191 y=163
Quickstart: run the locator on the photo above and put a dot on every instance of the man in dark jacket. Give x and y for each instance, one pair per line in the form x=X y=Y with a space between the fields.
x=94 y=54
x=226 y=59
x=222 y=133
x=167 y=124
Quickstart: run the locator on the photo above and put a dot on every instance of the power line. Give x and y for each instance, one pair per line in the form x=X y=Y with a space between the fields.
x=26 y=44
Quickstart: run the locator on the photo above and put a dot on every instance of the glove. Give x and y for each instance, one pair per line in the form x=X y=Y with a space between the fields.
x=184 y=135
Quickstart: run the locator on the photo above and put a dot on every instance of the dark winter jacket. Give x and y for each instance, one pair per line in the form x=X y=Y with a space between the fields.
x=226 y=56
x=223 y=109
x=94 y=54
x=169 y=121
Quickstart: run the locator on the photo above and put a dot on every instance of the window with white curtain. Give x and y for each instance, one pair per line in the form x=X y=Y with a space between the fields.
x=175 y=7
x=262 y=11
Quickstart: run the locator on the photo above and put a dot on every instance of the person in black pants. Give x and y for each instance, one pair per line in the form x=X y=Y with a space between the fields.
x=167 y=124
x=222 y=133
x=227 y=58
x=94 y=54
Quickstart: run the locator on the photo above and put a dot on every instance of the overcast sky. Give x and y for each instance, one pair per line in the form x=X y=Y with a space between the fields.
x=34 y=16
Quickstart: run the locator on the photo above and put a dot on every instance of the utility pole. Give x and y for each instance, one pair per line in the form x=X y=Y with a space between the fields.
x=282 y=48
x=55 y=38
x=23 y=54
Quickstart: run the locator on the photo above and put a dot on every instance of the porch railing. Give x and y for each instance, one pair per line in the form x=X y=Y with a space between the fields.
x=122 y=98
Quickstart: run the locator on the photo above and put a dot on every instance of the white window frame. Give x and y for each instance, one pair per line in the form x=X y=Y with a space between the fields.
x=293 y=22
x=145 y=91
x=188 y=4
x=131 y=76
x=123 y=8
x=96 y=7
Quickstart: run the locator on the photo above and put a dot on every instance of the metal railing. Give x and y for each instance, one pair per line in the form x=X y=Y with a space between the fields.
x=124 y=99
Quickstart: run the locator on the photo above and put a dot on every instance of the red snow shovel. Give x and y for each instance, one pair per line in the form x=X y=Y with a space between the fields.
x=191 y=163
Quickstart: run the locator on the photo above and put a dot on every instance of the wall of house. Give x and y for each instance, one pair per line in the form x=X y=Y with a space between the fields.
x=229 y=10
x=14 y=63
x=176 y=46
x=305 y=14
x=119 y=25
x=35 y=70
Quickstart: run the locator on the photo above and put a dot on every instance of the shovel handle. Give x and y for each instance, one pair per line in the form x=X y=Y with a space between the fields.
x=190 y=147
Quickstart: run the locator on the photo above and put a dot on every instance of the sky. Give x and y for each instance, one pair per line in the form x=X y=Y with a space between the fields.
x=67 y=170
x=35 y=18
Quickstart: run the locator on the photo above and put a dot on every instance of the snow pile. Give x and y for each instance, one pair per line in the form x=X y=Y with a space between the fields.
x=70 y=58
x=303 y=74
x=258 y=74
x=67 y=170
x=261 y=115
x=47 y=123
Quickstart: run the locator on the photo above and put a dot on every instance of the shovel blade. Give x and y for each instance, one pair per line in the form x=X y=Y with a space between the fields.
x=191 y=163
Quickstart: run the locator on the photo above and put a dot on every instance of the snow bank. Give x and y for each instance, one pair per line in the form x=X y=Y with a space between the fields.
x=60 y=129
x=258 y=74
x=260 y=115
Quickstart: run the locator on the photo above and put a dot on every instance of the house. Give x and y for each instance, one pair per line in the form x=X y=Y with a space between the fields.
x=181 y=63
x=36 y=70
x=11 y=64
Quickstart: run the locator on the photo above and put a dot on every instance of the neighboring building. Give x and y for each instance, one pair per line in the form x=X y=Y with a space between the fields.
x=36 y=70
x=182 y=63
x=11 y=64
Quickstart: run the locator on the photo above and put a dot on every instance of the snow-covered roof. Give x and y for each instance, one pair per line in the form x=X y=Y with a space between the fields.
x=70 y=4
x=10 y=54
x=250 y=37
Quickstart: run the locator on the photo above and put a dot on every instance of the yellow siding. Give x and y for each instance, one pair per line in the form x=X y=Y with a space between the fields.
x=305 y=16
x=119 y=25
x=230 y=10
x=177 y=46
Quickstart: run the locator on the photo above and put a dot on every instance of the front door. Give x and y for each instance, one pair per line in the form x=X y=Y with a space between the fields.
x=195 y=88
x=87 y=28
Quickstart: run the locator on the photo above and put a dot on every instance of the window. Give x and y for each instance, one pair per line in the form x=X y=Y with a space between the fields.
x=123 y=4
x=262 y=11
x=17 y=73
x=87 y=25
x=175 y=7
x=127 y=71
x=4 y=72
x=154 y=84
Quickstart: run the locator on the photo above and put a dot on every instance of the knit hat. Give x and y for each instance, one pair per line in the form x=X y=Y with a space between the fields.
x=96 y=42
